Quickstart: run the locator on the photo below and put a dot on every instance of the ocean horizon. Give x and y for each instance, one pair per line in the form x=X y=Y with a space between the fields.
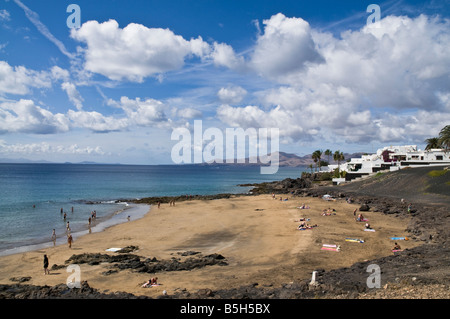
x=36 y=198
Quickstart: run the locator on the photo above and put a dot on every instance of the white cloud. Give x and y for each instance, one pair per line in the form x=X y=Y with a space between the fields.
x=4 y=15
x=73 y=94
x=24 y=116
x=231 y=95
x=143 y=112
x=59 y=73
x=253 y=117
x=223 y=55
x=286 y=46
x=187 y=113
x=19 y=79
x=134 y=52
x=366 y=85
x=96 y=121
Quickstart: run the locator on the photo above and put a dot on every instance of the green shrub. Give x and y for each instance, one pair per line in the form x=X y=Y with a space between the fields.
x=436 y=173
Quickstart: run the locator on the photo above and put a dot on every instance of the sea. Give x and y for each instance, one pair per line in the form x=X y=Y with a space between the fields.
x=37 y=198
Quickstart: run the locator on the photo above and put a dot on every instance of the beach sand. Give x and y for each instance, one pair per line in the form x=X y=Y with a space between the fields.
x=257 y=235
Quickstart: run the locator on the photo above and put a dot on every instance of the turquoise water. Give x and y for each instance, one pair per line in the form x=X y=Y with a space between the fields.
x=32 y=195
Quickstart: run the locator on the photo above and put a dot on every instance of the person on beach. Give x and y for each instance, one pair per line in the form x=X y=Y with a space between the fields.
x=367 y=226
x=149 y=283
x=360 y=218
x=54 y=237
x=159 y=204
x=46 y=271
x=396 y=247
x=68 y=227
x=69 y=240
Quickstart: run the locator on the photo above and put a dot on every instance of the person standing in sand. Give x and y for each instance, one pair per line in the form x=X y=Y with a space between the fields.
x=54 y=237
x=69 y=240
x=46 y=271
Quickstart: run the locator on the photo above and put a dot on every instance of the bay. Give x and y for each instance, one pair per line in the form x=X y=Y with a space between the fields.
x=35 y=197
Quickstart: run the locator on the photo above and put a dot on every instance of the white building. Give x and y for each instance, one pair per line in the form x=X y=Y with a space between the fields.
x=391 y=158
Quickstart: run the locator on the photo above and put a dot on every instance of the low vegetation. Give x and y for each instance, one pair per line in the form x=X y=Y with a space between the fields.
x=437 y=173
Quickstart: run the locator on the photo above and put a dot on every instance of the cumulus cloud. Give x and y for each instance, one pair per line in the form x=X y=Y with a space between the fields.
x=187 y=113
x=96 y=121
x=253 y=117
x=143 y=112
x=286 y=46
x=231 y=95
x=135 y=51
x=371 y=84
x=223 y=54
x=19 y=79
x=24 y=116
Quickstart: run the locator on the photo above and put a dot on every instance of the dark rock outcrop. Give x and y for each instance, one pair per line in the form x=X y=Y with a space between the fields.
x=148 y=265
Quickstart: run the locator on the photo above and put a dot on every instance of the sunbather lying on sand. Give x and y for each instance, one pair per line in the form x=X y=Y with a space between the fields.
x=151 y=282
x=304 y=225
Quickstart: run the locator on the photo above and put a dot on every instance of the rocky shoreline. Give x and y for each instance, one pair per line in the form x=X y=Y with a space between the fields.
x=424 y=268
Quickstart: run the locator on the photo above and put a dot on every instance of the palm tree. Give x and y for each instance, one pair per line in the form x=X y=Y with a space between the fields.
x=311 y=167
x=328 y=153
x=317 y=155
x=314 y=157
x=432 y=142
x=338 y=157
x=444 y=137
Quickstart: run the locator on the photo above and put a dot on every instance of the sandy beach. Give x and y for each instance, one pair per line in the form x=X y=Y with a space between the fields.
x=257 y=235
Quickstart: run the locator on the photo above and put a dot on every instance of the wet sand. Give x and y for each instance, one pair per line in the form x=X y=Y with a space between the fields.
x=257 y=235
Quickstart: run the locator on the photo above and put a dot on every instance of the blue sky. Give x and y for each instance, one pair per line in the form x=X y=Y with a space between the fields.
x=114 y=89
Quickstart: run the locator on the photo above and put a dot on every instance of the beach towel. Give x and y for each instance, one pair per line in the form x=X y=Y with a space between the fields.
x=328 y=245
x=354 y=240
x=399 y=238
x=113 y=249
x=330 y=248
x=369 y=229
x=396 y=250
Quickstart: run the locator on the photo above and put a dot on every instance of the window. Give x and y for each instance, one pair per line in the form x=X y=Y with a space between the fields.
x=439 y=157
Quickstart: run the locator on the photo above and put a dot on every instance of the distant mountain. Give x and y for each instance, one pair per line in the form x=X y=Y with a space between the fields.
x=22 y=161
x=289 y=160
